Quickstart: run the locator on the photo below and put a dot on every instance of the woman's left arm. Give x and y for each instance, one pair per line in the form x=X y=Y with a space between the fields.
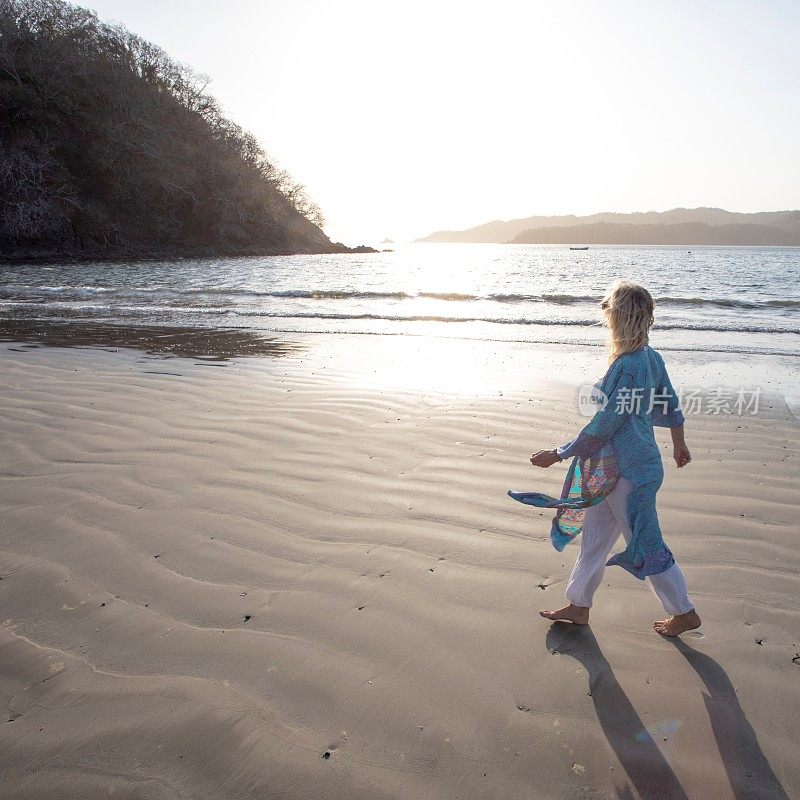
x=602 y=426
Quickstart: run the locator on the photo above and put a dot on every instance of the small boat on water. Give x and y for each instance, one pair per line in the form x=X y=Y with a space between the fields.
x=579 y=248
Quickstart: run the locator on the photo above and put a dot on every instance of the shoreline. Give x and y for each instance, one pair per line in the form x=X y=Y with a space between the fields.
x=439 y=360
x=147 y=255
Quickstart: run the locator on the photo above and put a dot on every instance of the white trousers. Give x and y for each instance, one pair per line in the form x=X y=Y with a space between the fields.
x=602 y=526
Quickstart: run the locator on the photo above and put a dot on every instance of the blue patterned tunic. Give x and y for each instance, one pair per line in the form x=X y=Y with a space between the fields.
x=640 y=395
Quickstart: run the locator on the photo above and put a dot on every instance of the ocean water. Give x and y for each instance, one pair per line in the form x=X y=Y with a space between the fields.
x=740 y=300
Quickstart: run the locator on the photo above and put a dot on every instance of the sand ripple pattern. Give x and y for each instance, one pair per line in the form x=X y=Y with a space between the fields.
x=224 y=584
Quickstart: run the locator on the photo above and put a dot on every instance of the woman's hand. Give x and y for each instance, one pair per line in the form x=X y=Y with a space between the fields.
x=681 y=454
x=544 y=458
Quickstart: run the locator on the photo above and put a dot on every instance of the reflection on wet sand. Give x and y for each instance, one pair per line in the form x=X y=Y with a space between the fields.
x=203 y=343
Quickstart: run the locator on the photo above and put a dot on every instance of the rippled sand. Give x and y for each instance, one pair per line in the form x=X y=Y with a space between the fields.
x=234 y=583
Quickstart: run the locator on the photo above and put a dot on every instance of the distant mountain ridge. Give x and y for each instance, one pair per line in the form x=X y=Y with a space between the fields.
x=682 y=226
x=741 y=234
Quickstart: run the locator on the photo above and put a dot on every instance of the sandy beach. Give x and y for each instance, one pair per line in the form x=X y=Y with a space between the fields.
x=239 y=582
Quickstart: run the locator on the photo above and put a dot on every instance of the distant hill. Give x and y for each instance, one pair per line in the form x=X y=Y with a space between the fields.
x=108 y=147
x=682 y=233
x=711 y=226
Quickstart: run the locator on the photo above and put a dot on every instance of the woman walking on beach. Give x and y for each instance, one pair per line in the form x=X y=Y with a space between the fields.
x=638 y=394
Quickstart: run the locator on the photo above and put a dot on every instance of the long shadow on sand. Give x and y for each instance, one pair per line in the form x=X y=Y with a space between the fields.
x=750 y=774
x=648 y=770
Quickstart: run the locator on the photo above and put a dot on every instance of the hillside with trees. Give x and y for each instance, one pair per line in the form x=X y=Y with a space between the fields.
x=109 y=147
x=680 y=226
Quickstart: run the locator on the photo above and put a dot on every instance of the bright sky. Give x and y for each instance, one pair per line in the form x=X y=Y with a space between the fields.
x=406 y=117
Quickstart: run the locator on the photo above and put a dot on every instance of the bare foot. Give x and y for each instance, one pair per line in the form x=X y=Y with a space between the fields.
x=577 y=614
x=680 y=623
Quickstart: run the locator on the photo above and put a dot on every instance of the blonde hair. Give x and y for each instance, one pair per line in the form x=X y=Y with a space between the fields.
x=628 y=312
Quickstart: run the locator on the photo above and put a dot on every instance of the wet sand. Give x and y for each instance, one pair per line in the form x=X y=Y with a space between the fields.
x=239 y=582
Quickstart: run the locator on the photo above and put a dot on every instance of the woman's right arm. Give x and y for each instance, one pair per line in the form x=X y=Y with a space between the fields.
x=680 y=451
x=667 y=408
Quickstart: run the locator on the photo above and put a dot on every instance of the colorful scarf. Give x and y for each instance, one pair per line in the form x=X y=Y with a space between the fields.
x=589 y=481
